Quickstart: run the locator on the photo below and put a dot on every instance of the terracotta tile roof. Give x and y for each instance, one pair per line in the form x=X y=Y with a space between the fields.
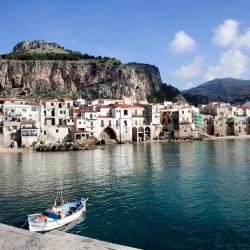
x=84 y=111
x=104 y=116
x=125 y=106
x=102 y=106
x=27 y=122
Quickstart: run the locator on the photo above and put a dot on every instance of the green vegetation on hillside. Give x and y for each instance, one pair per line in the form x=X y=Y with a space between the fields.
x=227 y=90
x=73 y=56
x=167 y=92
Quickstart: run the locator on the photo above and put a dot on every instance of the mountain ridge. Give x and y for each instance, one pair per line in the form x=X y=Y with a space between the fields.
x=28 y=72
x=220 y=89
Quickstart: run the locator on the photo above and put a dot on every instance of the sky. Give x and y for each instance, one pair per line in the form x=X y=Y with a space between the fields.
x=190 y=42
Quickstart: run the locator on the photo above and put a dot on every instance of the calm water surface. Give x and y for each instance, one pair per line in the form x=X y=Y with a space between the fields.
x=190 y=195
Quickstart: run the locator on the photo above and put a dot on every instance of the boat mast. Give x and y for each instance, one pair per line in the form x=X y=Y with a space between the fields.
x=61 y=183
x=59 y=194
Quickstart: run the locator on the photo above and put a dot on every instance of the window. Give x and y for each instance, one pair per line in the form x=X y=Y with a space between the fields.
x=56 y=130
x=44 y=112
x=125 y=123
x=34 y=108
x=110 y=123
x=91 y=116
x=52 y=104
x=24 y=110
x=91 y=124
x=68 y=105
x=117 y=123
x=102 y=123
x=60 y=105
x=44 y=132
x=125 y=112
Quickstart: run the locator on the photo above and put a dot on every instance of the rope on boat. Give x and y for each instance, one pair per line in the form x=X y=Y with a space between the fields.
x=24 y=223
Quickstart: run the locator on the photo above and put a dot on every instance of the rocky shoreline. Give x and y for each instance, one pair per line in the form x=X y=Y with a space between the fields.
x=57 y=147
x=61 y=147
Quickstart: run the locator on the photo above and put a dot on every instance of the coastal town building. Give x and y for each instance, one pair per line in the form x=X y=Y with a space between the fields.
x=29 y=132
x=13 y=113
x=56 y=119
x=23 y=123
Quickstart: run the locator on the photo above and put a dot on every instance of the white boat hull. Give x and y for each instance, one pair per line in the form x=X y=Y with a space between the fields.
x=41 y=226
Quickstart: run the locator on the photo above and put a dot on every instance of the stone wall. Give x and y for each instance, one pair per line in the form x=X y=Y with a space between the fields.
x=16 y=238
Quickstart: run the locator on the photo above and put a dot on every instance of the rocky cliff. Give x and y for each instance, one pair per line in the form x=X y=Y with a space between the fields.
x=88 y=78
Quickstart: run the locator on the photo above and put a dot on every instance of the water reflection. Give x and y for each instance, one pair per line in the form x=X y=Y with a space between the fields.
x=161 y=195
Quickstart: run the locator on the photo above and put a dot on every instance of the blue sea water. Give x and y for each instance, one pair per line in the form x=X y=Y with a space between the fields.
x=181 y=195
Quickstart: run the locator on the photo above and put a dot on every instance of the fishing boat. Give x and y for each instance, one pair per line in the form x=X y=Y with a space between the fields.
x=58 y=215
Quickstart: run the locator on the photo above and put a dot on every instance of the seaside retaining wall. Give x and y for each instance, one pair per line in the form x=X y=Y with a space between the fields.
x=16 y=238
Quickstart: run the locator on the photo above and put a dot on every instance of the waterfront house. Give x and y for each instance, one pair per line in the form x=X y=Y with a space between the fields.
x=29 y=132
x=240 y=126
x=14 y=112
x=57 y=119
x=220 y=126
x=115 y=122
x=86 y=120
x=81 y=136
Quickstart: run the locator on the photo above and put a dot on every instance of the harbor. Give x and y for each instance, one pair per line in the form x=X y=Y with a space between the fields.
x=148 y=196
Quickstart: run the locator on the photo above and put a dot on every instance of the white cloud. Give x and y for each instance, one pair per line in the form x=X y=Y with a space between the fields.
x=226 y=33
x=182 y=42
x=243 y=40
x=233 y=63
x=188 y=71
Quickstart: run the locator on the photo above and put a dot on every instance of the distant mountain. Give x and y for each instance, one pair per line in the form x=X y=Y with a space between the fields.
x=224 y=89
